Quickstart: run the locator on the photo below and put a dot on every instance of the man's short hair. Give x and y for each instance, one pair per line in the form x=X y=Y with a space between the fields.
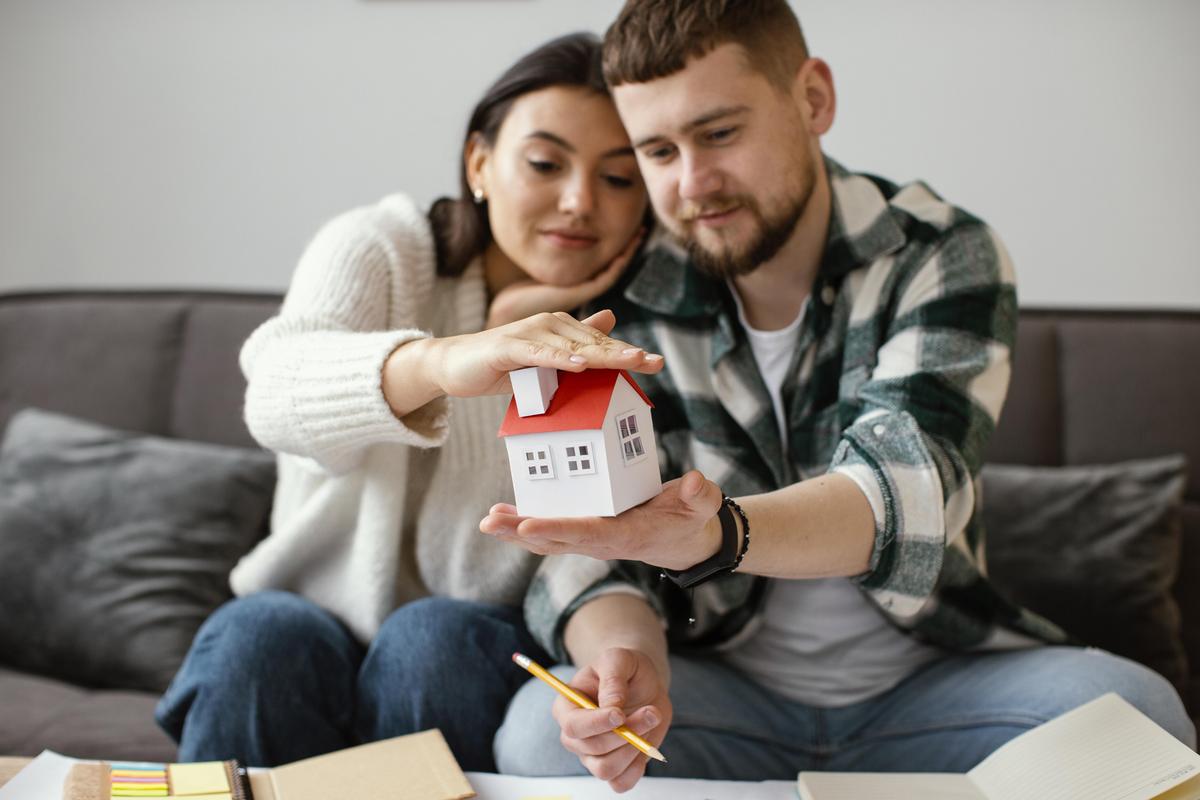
x=655 y=38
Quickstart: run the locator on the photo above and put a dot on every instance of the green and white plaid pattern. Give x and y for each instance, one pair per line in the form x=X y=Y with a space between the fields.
x=899 y=374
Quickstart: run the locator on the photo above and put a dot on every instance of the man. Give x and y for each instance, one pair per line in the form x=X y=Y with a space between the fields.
x=837 y=353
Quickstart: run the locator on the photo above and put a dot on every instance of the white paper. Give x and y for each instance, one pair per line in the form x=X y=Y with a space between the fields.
x=43 y=779
x=887 y=786
x=513 y=787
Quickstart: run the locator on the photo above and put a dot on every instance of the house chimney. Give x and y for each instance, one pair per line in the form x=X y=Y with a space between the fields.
x=533 y=388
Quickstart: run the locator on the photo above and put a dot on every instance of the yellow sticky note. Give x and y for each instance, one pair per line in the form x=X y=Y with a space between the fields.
x=206 y=777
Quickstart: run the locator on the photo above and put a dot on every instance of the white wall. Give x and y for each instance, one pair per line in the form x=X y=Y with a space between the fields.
x=201 y=142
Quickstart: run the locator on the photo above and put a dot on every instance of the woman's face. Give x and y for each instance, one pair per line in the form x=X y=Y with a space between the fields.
x=563 y=190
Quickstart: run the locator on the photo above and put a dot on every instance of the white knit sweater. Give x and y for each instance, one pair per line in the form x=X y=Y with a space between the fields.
x=356 y=485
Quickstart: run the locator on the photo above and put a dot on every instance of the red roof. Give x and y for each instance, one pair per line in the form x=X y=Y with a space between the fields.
x=578 y=405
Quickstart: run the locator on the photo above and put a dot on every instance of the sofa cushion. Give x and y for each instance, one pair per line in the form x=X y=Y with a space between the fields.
x=41 y=713
x=1095 y=549
x=116 y=546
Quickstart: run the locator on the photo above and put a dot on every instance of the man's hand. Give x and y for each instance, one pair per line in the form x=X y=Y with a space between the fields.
x=629 y=691
x=676 y=529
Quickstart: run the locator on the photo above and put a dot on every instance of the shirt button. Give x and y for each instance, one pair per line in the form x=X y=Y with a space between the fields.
x=828 y=295
x=879 y=430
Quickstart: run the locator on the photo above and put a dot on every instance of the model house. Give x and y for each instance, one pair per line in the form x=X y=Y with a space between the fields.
x=580 y=444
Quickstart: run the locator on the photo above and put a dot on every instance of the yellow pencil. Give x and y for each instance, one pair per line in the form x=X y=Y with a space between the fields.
x=537 y=670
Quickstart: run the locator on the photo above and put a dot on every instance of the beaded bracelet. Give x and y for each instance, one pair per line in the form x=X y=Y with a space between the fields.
x=729 y=501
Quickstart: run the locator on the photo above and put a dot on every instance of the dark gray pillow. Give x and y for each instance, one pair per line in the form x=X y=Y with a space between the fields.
x=115 y=546
x=1095 y=549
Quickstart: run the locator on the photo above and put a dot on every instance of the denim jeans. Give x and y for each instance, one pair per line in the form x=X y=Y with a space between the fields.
x=946 y=717
x=272 y=678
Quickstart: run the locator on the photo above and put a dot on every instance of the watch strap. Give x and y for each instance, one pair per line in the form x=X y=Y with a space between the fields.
x=723 y=560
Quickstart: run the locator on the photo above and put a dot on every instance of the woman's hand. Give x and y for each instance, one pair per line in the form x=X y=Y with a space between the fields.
x=476 y=364
x=479 y=363
x=629 y=691
x=526 y=298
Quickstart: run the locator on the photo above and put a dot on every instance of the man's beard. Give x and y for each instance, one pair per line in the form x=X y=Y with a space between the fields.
x=770 y=235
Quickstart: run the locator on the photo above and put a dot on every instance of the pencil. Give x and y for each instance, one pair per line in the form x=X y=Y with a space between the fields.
x=583 y=701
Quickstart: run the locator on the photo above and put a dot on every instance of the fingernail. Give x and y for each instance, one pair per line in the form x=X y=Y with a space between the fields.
x=654 y=357
x=615 y=718
x=630 y=351
x=579 y=359
x=651 y=719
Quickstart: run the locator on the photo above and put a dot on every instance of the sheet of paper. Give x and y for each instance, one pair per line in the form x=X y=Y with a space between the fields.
x=42 y=779
x=512 y=787
x=1103 y=750
x=886 y=786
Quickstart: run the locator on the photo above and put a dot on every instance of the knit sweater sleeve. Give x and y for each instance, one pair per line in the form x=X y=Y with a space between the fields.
x=314 y=372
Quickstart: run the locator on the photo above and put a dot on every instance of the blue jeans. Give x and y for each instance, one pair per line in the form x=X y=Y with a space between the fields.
x=272 y=678
x=946 y=717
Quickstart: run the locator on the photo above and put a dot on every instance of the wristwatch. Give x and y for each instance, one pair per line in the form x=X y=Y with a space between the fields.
x=724 y=560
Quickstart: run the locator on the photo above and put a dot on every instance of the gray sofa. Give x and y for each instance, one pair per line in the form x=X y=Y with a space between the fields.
x=1089 y=387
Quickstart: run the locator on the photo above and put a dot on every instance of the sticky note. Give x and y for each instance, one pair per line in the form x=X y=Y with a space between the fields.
x=207 y=777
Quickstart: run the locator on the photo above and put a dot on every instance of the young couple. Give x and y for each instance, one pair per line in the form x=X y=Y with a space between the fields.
x=837 y=353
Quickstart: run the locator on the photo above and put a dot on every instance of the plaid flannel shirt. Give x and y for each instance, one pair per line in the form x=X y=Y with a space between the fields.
x=899 y=373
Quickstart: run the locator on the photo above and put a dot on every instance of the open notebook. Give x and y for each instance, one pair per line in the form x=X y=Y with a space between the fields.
x=1103 y=750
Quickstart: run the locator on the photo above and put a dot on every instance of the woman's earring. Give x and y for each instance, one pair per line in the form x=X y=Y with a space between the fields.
x=478 y=195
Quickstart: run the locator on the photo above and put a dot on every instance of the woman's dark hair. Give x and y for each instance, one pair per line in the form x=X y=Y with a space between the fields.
x=460 y=226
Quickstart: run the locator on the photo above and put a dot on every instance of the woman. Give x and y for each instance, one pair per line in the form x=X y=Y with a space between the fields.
x=374 y=608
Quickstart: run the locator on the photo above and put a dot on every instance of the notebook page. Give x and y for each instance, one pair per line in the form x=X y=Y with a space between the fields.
x=1103 y=750
x=886 y=786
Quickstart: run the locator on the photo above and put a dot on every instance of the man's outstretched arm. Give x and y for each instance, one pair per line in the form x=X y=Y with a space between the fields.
x=820 y=527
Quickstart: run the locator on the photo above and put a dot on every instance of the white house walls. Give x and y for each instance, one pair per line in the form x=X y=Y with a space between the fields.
x=638 y=480
x=577 y=493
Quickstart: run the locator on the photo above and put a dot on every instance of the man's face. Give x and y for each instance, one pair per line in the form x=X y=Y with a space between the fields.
x=727 y=158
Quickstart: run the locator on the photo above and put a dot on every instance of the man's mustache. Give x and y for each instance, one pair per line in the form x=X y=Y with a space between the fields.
x=693 y=211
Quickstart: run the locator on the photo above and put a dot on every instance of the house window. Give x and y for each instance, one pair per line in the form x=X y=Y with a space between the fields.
x=632 y=449
x=580 y=459
x=537 y=464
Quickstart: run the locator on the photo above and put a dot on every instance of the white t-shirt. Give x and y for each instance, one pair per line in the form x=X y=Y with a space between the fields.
x=822 y=642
